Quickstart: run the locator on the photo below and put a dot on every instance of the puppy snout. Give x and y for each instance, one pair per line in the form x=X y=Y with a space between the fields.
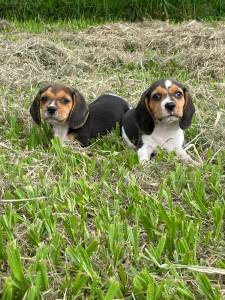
x=170 y=106
x=52 y=110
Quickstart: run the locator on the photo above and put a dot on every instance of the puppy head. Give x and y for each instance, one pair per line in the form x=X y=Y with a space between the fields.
x=57 y=103
x=167 y=101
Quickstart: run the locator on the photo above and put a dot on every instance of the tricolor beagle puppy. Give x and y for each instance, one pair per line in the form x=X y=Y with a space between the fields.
x=164 y=111
x=71 y=118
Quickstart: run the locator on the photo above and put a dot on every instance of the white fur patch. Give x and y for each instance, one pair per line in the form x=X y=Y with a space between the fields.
x=166 y=135
x=52 y=104
x=144 y=153
x=126 y=139
x=163 y=103
x=168 y=83
x=61 y=131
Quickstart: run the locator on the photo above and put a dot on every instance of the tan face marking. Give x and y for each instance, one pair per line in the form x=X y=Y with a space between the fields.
x=179 y=101
x=154 y=104
x=71 y=137
x=59 y=98
x=160 y=96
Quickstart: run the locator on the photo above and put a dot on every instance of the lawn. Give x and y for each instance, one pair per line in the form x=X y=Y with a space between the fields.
x=93 y=223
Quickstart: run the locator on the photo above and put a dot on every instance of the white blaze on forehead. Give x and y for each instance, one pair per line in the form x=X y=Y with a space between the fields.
x=168 y=83
x=52 y=103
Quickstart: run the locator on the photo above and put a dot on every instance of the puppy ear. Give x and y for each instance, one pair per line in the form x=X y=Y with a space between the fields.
x=188 y=112
x=143 y=113
x=80 y=111
x=35 y=109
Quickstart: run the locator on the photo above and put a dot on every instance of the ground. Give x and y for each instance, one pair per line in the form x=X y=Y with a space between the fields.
x=93 y=223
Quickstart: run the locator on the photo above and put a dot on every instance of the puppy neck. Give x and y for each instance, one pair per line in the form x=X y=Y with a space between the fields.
x=61 y=130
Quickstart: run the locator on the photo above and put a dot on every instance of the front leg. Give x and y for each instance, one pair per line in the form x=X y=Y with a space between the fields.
x=182 y=154
x=144 y=153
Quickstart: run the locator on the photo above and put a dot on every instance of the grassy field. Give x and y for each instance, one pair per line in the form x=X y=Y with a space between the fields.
x=108 y=10
x=92 y=223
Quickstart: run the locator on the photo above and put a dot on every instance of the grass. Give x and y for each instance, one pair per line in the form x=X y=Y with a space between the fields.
x=51 y=26
x=109 y=10
x=92 y=223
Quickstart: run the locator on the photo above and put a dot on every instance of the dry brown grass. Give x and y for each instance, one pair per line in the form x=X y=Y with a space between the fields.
x=120 y=57
x=194 y=45
x=197 y=46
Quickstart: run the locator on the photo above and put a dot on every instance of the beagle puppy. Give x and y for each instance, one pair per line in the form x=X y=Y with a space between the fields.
x=71 y=118
x=164 y=111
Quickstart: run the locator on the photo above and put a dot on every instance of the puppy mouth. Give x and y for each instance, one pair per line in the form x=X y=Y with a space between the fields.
x=50 y=116
x=52 y=119
x=170 y=117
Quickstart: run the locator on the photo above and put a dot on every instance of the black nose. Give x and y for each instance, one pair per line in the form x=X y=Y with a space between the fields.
x=52 y=109
x=170 y=106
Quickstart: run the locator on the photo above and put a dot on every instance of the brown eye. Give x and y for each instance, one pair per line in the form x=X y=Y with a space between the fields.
x=156 y=97
x=65 y=100
x=178 y=94
x=44 y=99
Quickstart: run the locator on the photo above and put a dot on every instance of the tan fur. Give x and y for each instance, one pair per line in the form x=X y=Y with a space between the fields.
x=155 y=107
x=71 y=136
x=63 y=110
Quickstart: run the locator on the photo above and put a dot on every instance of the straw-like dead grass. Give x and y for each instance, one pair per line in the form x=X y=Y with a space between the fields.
x=193 y=45
x=93 y=59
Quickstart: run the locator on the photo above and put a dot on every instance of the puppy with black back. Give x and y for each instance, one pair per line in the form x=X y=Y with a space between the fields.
x=164 y=111
x=71 y=118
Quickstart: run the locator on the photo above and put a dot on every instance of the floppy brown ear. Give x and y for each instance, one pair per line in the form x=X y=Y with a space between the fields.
x=35 y=108
x=143 y=113
x=79 y=112
x=188 y=112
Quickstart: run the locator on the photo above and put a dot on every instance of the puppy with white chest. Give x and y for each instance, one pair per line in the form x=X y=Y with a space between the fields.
x=164 y=111
x=71 y=118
